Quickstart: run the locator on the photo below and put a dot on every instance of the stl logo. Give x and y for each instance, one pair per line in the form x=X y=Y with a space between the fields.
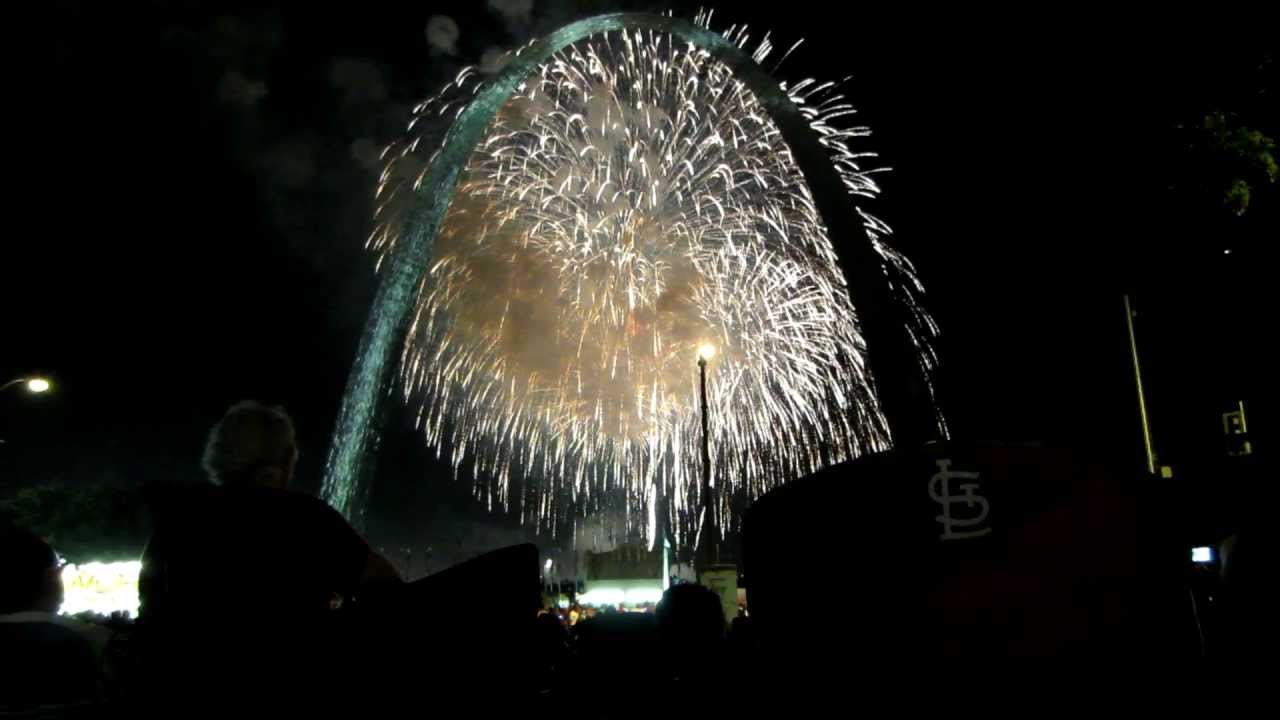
x=969 y=524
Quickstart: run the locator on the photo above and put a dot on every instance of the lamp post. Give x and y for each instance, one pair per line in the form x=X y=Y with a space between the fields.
x=1142 y=398
x=722 y=579
x=35 y=385
x=706 y=553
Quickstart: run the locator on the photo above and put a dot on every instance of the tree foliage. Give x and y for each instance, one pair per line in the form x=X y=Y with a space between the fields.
x=83 y=522
x=1227 y=154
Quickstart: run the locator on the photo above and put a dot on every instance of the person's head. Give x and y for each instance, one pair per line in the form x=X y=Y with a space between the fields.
x=251 y=446
x=691 y=617
x=30 y=574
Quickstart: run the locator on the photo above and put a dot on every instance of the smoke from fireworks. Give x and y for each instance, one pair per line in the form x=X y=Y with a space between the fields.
x=631 y=202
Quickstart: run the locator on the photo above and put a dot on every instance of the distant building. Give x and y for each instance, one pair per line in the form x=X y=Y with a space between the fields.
x=631 y=575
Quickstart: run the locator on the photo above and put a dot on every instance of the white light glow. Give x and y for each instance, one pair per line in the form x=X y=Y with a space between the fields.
x=641 y=596
x=37 y=385
x=622 y=592
x=602 y=596
x=1202 y=554
x=101 y=588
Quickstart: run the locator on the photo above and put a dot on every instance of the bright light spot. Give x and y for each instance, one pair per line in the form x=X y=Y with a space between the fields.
x=1202 y=554
x=602 y=596
x=1227 y=251
x=37 y=385
x=101 y=588
x=706 y=351
x=626 y=592
x=640 y=596
x=547 y=567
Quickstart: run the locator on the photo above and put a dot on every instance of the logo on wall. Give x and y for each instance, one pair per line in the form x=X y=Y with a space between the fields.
x=965 y=522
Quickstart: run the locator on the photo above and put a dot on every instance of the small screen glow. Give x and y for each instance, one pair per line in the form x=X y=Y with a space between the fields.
x=101 y=588
x=1202 y=554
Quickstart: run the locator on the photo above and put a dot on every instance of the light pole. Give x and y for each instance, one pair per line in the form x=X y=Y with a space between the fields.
x=706 y=553
x=35 y=385
x=1142 y=398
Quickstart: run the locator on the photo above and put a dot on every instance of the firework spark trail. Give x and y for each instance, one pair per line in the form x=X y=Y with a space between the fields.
x=631 y=201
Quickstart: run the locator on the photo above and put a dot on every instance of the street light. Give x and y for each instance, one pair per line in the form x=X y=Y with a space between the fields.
x=706 y=351
x=34 y=385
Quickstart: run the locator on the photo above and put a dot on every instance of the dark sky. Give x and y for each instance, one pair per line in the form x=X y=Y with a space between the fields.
x=204 y=190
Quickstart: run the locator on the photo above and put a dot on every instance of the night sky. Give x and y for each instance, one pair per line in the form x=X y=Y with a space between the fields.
x=205 y=188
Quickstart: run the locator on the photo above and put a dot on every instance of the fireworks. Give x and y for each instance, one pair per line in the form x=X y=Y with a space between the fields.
x=631 y=203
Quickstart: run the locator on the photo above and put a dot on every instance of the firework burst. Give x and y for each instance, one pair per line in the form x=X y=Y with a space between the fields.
x=632 y=201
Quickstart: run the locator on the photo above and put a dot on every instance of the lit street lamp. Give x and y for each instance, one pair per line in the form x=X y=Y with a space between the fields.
x=34 y=385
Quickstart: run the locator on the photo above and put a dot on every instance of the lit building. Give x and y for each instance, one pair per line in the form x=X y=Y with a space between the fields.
x=630 y=576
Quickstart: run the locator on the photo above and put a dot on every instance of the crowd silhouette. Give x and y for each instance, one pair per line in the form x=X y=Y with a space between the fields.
x=304 y=612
